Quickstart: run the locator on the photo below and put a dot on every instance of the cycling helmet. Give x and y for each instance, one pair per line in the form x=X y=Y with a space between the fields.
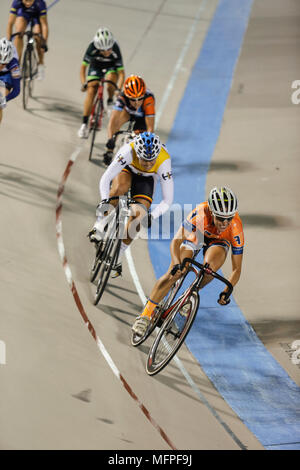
x=134 y=87
x=222 y=202
x=6 y=51
x=147 y=146
x=104 y=39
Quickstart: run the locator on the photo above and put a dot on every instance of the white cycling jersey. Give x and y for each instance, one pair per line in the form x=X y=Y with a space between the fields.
x=161 y=171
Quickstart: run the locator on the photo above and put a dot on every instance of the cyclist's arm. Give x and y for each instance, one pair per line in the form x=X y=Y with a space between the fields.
x=178 y=239
x=150 y=120
x=16 y=79
x=10 y=24
x=114 y=123
x=83 y=68
x=44 y=27
x=123 y=158
x=167 y=186
x=121 y=78
x=236 y=261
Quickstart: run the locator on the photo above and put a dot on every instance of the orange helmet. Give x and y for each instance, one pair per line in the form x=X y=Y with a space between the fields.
x=134 y=87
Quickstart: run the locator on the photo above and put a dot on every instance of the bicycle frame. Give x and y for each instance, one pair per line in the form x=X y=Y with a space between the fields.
x=196 y=284
x=96 y=116
x=179 y=317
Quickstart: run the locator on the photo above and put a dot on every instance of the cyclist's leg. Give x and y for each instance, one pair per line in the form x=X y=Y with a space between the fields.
x=121 y=184
x=113 y=77
x=36 y=28
x=20 y=27
x=92 y=87
x=159 y=291
x=215 y=255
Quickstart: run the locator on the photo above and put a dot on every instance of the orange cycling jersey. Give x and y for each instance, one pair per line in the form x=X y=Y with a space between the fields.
x=200 y=222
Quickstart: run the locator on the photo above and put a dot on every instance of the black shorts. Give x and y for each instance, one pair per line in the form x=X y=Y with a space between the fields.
x=141 y=186
x=96 y=73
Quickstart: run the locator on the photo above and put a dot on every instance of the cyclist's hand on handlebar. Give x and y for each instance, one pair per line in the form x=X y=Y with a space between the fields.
x=45 y=47
x=223 y=298
x=175 y=269
x=102 y=207
x=110 y=144
x=83 y=86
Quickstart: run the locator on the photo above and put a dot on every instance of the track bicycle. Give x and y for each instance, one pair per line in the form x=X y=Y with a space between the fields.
x=107 y=250
x=29 y=63
x=96 y=116
x=176 y=317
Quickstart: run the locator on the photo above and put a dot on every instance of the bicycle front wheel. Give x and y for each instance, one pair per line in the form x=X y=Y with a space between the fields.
x=94 y=125
x=26 y=78
x=172 y=333
x=111 y=256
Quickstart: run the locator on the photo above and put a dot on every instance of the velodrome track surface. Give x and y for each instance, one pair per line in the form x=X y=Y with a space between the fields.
x=58 y=390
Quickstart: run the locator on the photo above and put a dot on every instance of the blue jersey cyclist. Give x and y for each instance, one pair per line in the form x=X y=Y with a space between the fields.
x=33 y=12
x=102 y=58
x=9 y=73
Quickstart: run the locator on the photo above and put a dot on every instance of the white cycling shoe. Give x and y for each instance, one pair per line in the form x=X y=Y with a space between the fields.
x=140 y=325
x=83 y=132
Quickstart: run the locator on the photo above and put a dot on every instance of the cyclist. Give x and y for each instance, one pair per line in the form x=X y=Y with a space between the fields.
x=134 y=102
x=34 y=12
x=137 y=165
x=103 y=57
x=10 y=75
x=216 y=223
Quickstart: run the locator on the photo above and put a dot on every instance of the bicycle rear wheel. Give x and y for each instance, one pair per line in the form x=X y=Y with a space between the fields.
x=94 y=126
x=172 y=333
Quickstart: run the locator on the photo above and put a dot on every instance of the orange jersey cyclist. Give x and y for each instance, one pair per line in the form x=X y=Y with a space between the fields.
x=137 y=165
x=214 y=223
x=102 y=58
x=136 y=102
x=33 y=12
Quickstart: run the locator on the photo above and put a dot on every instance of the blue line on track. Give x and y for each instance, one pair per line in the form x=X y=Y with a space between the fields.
x=255 y=386
x=52 y=4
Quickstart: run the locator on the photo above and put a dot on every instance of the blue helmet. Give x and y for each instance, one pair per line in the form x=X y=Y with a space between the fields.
x=147 y=146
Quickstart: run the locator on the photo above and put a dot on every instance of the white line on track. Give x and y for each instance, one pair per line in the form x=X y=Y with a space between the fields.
x=68 y=274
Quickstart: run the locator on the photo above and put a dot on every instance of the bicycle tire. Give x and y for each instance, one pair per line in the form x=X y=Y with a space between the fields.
x=26 y=77
x=106 y=267
x=97 y=261
x=33 y=72
x=94 y=128
x=175 y=328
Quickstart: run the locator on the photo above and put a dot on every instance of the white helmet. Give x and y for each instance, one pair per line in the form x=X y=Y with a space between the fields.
x=222 y=202
x=104 y=39
x=147 y=146
x=6 y=51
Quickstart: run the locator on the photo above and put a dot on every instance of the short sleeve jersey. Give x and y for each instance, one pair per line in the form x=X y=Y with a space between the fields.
x=94 y=58
x=37 y=9
x=201 y=220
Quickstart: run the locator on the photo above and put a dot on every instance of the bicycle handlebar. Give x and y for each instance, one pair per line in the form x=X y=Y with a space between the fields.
x=209 y=271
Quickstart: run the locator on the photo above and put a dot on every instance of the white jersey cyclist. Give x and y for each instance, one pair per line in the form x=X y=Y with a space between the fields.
x=143 y=180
